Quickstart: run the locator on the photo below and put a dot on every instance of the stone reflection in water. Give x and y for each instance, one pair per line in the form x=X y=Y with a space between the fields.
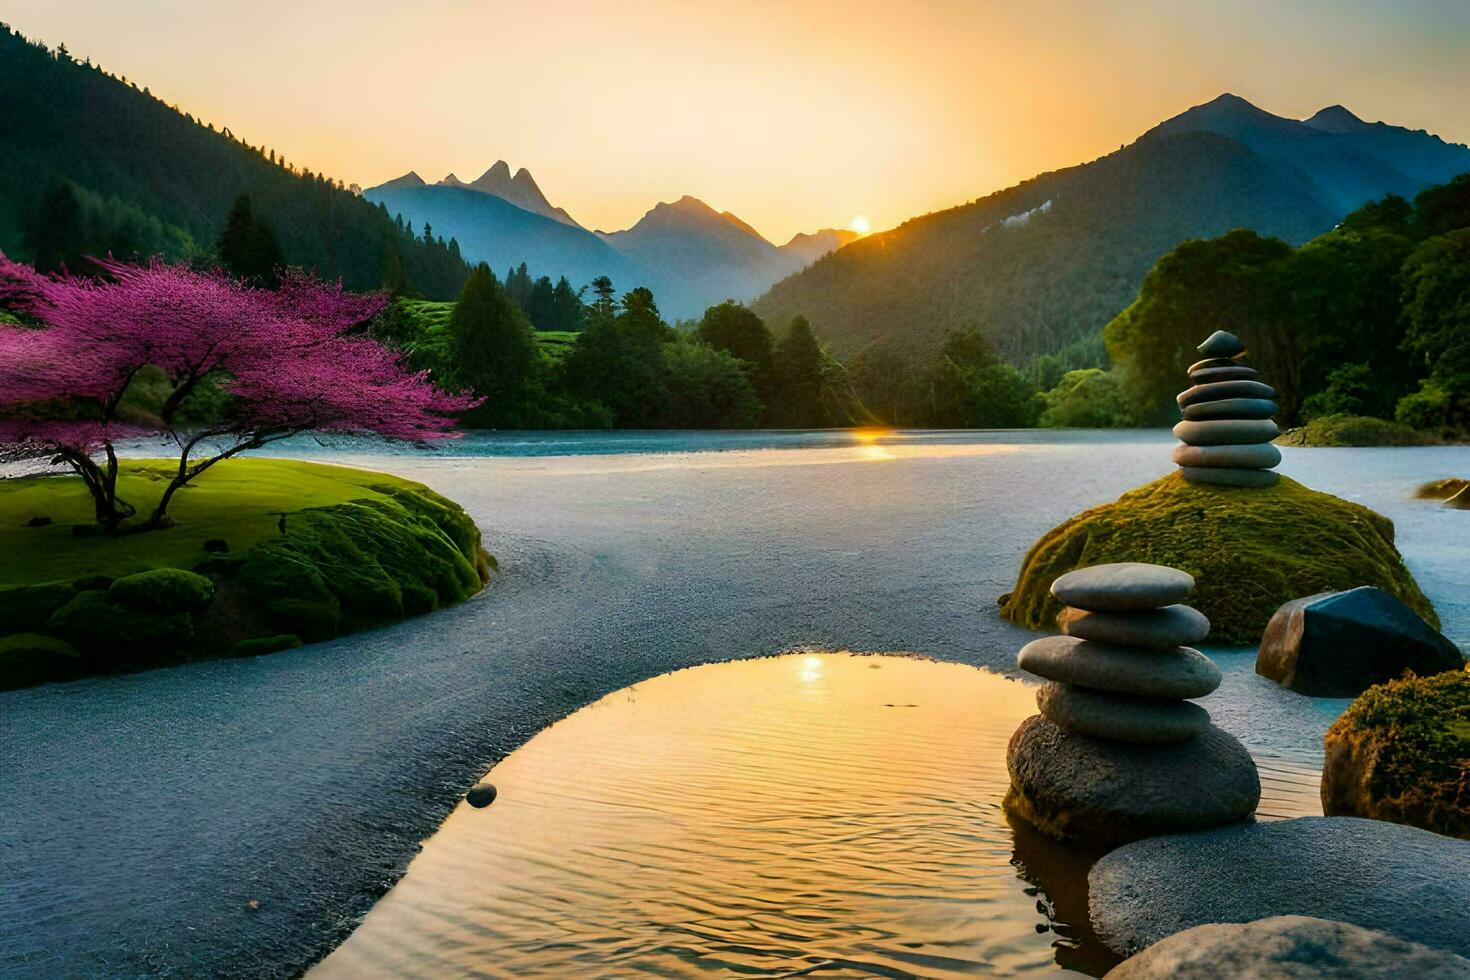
x=811 y=812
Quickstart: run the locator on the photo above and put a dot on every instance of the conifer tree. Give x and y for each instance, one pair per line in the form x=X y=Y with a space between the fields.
x=247 y=246
x=492 y=347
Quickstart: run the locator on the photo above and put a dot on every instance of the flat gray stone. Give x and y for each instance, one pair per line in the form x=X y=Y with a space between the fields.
x=1072 y=787
x=1226 y=432
x=1178 y=673
x=1210 y=362
x=1223 y=477
x=1146 y=721
x=1123 y=586
x=1218 y=390
x=1232 y=408
x=1292 y=947
x=1404 y=881
x=1155 y=629
x=1221 y=343
x=1261 y=456
x=1235 y=372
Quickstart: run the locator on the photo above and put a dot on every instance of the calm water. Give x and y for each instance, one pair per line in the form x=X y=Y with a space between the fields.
x=810 y=813
x=251 y=811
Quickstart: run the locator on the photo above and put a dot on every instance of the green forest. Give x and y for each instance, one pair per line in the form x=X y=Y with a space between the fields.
x=1368 y=321
x=91 y=163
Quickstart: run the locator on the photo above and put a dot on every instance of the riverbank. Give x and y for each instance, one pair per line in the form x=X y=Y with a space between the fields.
x=304 y=781
x=264 y=554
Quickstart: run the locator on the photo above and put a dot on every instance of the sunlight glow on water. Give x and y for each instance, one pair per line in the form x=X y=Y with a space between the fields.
x=773 y=817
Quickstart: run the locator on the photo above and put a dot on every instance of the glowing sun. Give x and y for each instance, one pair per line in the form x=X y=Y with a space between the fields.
x=860 y=225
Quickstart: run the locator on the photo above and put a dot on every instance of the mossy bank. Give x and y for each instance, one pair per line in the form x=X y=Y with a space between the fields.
x=1249 y=551
x=266 y=554
x=1401 y=752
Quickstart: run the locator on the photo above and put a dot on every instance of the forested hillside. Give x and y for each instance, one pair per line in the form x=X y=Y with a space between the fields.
x=1040 y=268
x=95 y=158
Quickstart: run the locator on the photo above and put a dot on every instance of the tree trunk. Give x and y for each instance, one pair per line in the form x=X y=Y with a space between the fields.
x=101 y=484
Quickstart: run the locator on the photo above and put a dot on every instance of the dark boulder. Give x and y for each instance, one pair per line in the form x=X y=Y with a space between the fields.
x=1339 y=644
x=1075 y=788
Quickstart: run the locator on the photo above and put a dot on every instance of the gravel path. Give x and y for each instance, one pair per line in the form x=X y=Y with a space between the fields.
x=237 y=817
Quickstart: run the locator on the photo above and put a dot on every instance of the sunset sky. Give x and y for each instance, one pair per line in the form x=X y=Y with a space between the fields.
x=793 y=115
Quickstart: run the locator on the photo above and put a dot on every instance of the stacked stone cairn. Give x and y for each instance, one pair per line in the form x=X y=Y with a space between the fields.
x=1227 y=427
x=1119 y=750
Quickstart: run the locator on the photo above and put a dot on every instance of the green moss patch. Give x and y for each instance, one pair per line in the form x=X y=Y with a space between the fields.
x=1352 y=430
x=1401 y=752
x=33 y=658
x=315 y=551
x=163 y=590
x=1442 y=489
x=1249 y=551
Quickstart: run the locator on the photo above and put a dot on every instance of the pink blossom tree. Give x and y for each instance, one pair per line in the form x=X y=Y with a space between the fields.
x=291 y=361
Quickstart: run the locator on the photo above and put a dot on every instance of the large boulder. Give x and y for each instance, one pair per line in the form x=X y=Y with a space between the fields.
x=1401 y=880
x=1399 y=753
x=1249 y=551
x=1339 y=644
x=1105 y=792
x=1297 y=947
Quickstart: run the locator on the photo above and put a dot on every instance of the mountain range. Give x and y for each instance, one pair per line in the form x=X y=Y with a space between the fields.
x=689 y=254
x=1041 y=267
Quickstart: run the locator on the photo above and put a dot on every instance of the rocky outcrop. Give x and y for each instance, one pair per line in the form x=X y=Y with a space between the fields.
x=1296 y=946
x=1339 y=644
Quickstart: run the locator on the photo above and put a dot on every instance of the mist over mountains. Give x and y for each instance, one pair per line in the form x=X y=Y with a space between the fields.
x=1040 y=267
x=689 y=254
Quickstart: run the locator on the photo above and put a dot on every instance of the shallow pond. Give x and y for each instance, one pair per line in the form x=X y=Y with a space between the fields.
x=806 y=813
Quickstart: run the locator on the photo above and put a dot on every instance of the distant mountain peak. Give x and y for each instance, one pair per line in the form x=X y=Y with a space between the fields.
x=735 y=220
x=450 y=180
x=500 y=171
x=1337 y=119
x=806 y=247
x=410 y=179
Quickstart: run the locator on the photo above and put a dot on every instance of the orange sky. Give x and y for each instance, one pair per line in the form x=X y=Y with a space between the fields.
x=793 y=115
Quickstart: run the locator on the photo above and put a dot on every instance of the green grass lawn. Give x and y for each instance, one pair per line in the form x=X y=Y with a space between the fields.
x=309 y=551
x=239 y=501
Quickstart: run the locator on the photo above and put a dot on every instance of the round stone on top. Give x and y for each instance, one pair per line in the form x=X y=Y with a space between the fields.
x=1221 y=344
x=1123 y=587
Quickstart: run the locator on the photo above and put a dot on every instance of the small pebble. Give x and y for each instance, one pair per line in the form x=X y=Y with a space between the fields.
x=481 y=796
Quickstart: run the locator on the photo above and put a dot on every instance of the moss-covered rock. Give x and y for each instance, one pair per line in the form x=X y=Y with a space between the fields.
x=32 y=658
x=163 y=590
x=1442 y=489
x=1401 y=752
x=1352 y=430
x=114 y=634
x=364 y=563
x=255 y=646
x=26 y=608
x=1249 y=550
